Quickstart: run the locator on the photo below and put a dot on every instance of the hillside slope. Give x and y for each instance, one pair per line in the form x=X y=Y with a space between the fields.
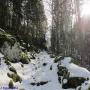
x=41 y=73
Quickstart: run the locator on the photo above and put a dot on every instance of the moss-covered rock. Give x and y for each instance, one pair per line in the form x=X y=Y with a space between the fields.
x=73 y=82
x=9 y=75
x=62 y=71
x=9 y=47
x=16 y=78
x=89 y=88
x=11 y=85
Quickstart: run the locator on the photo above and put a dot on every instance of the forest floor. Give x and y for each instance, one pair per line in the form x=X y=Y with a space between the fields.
x=41 y=73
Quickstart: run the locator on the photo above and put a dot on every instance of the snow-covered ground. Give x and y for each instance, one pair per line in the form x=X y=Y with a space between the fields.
x=36 y=72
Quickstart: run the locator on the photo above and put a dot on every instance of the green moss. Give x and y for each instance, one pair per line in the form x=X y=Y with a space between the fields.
x=15 y=77
x=5 y=37
x=24 y=55
x=89 y=88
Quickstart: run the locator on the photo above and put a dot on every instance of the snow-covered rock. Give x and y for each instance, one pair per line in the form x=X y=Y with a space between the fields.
x=74 y=69
x=11 y=52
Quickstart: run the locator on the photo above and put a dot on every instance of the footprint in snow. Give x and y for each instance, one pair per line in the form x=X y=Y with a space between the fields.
x=51 y=67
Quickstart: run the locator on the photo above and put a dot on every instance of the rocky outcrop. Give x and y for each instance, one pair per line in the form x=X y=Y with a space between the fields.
x=10 y=47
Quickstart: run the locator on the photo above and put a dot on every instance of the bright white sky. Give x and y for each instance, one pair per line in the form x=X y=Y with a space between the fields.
x=85 y=8
x=47 y=7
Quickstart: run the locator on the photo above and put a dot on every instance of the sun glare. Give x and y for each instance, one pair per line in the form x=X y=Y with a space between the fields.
x=85 y=9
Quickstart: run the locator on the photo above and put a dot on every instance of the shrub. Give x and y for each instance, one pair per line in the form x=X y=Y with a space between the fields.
x=16 y=78
x=11 y=84
x=24 y=58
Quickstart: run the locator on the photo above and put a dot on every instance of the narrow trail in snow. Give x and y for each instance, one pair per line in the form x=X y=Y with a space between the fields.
x=42 y=70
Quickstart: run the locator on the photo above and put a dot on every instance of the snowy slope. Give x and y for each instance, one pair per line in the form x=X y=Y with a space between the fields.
x=36 y=72
x=3 y=74
x=76 y=71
